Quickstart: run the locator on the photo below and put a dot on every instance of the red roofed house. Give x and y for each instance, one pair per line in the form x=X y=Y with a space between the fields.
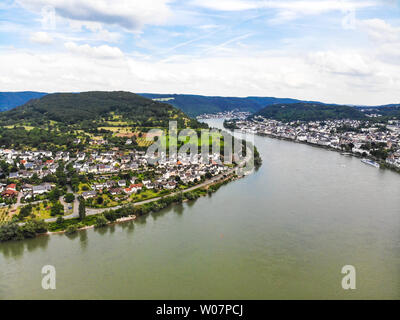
x=10 y=191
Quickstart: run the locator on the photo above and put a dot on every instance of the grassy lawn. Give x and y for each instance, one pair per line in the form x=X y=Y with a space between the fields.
x=117 y=129
x=27 y=128
x=107 y=202
x=40 y=211
x=4 y=216
x=143 y=142
x=144 y=195
x=117 y=123
x=81 y=184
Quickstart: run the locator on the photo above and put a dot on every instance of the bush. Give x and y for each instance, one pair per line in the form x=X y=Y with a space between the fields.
x=40 y=226
x=25 y=211
x=69 y=198
x=60 y=220
x=28 y=230
x=10 y=231
x=56 y=209
x=111 y=215
x=100 y=221
x=71 y=229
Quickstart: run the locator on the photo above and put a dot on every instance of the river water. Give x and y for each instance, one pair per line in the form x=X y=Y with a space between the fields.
x=283 y=232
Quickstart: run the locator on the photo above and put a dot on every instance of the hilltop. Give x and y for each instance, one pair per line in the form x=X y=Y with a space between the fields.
x=95 y=107
x=55 y=121
x=309 y=112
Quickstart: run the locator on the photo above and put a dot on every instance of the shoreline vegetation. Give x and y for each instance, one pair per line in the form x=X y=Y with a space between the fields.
x=12 y=231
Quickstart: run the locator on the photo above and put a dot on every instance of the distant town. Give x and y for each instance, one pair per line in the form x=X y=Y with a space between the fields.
x=232 y=114
x=379 y=142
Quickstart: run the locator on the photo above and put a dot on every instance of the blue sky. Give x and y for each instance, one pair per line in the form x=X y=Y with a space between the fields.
x=342 y=51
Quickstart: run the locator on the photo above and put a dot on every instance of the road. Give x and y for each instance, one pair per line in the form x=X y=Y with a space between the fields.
x=91 y=211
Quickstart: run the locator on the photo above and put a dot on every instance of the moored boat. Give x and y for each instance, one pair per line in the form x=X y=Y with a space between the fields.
x=370 y=162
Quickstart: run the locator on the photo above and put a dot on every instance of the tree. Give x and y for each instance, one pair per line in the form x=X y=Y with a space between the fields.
x=57 y=209
x=69 y=197
x=101 y=221
x=10 y=231
x=25 y=211
x=59 y=220
x=82 y=209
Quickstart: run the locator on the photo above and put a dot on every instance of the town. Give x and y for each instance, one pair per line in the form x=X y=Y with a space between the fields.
x=103 y=179
x=378 y=141
x=231 y=114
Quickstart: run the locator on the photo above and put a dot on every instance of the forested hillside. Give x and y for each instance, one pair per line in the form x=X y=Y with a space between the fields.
x=309 y=112
x=95 y=106
x=195 y=105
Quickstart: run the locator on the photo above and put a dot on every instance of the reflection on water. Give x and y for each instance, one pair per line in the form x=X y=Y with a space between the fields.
x=15 y=249
x=83 y=239
x=178 y=208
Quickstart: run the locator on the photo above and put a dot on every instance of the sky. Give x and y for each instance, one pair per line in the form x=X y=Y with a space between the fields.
x=334 y=51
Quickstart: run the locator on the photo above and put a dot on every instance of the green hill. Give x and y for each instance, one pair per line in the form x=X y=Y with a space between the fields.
x=309 y=112
x=95 y=107
x=195 y=105
x=390 y=111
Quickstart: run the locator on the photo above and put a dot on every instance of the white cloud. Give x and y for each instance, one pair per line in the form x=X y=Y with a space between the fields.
x=337 y=77
x=381 y=31
x=131 y=15
x=307 y=6
x=287 y=9
x=103 y=51
x=348 y=63
x=385 y=39
x=41 y=37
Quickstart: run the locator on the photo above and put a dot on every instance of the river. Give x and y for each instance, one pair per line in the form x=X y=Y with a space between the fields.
x=283 y=232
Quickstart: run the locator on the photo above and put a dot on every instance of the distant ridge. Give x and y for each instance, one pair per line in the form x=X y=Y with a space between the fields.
x=9 y=100
x=194 y=105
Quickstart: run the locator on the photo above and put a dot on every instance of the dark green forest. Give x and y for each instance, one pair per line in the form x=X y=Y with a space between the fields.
x=96 y=106
x=309 y=112
x=389 y=111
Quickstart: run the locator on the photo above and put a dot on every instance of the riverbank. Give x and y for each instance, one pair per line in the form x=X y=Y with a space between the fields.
x=382 y=163
x=109 y=216
x=120 y=220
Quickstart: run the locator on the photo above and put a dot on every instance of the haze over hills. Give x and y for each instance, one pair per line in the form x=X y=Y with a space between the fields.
x=9 y=100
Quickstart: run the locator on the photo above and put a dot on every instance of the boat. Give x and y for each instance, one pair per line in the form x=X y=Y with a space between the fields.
x=346 y=154
x=370 y=162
